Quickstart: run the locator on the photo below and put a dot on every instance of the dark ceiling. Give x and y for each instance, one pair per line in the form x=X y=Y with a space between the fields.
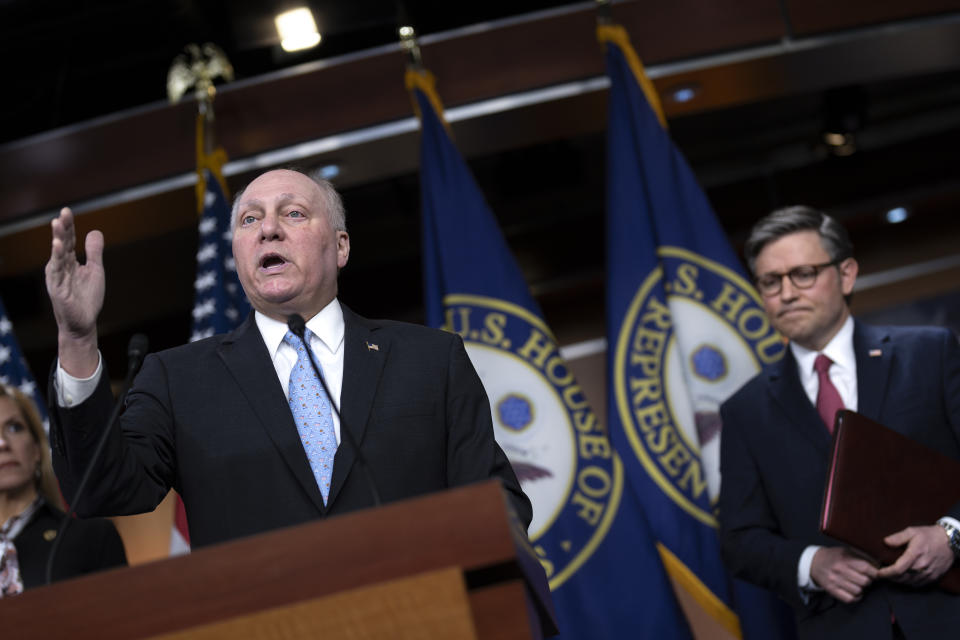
x=85 y=123
x=83 y=59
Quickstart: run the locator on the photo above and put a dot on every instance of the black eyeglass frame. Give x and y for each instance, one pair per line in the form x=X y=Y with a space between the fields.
x=792 y=274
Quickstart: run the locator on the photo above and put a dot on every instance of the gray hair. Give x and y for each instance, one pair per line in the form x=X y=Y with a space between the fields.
x=787 y=220
x=329 y=198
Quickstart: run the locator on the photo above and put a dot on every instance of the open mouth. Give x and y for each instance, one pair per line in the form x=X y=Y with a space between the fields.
x=272 y=261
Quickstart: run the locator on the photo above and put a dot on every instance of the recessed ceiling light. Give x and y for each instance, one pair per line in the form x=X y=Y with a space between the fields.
x=683 y=93
x=297 y=29
x=897 y=214
x=329 y=171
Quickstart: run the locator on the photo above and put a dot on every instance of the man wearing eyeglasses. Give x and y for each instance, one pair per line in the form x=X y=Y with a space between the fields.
x=777 y=436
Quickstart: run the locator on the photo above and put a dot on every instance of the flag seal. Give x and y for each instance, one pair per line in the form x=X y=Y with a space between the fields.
x=670 y=377
x=557 y=447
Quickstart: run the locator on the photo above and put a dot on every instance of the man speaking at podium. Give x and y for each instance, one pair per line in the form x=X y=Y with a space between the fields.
x=238 y=423
x=776 y=441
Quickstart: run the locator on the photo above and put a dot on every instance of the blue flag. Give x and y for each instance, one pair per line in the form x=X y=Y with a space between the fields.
x=685 y=330
x=14 y=371
x=219 y=302
x=604 y=573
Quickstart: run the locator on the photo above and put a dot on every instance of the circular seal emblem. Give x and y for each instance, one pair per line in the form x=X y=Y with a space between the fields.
x=692 y=335
x=559 y=451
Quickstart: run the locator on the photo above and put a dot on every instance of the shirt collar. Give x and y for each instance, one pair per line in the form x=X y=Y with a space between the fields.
x=839 y=350
x=326 y=325
x=12 y=527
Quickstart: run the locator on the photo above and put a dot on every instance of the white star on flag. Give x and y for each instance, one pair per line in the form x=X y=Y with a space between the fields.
x=5 y=326
x=27 y=387
x=205 y=280
x=229 y=264
x=208 y=199
x=204 y=309
x=208 y=225
x=200 y=335
x=207 y=252
x=4 y=354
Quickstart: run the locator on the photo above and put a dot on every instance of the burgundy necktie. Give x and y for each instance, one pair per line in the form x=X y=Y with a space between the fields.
x=828 y=398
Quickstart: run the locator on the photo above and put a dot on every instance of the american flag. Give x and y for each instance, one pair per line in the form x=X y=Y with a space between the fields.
x=14 y=371
x=219 y=303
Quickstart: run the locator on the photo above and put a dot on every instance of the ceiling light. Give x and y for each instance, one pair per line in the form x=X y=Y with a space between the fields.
x=297 y=29
x=897 y=214
x=329 y=171
x=840 y=144
x=684 y=93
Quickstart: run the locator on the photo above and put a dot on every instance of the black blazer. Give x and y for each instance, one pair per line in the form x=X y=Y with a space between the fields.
x=87 y=546
x=210 y=419
x=773 y=460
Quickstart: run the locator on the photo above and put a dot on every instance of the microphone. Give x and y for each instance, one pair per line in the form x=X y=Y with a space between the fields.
x=298 y=327
x=136 y=351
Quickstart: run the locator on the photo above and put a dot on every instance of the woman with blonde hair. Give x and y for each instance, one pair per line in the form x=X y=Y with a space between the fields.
x=31 y=508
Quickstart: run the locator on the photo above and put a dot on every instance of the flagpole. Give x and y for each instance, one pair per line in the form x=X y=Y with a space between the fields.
x=198 y=68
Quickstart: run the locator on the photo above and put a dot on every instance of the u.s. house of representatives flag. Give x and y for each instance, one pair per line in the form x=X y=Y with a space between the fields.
x=587 y=529
x=685 y=330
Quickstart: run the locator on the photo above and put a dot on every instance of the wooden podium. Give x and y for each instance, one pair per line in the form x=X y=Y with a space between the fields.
x=450 y=565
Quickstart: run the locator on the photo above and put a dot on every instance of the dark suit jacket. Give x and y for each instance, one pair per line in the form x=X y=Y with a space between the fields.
x=210 y=419
x=773 y=462
x=88 y=546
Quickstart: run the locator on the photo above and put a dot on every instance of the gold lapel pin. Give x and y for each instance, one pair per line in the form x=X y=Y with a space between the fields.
x=49 y=534
x=372 y=347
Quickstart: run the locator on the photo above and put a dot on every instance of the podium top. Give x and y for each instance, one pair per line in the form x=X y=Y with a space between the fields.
x=469 y=527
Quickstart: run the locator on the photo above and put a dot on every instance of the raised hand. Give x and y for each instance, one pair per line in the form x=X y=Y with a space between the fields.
x=76 y=292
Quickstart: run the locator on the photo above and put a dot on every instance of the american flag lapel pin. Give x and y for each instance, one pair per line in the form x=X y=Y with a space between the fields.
x=372 y=347
x=875 y=353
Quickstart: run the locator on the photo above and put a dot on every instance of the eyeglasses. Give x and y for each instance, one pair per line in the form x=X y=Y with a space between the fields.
x=802 y=277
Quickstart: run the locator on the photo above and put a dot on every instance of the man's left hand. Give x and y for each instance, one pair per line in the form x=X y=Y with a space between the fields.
x=926 y=558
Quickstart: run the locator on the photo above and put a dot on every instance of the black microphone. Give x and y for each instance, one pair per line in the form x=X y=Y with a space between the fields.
x=136 y=352
x=298 y=326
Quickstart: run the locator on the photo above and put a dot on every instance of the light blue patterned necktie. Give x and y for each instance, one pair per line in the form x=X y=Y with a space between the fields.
x=311 y=411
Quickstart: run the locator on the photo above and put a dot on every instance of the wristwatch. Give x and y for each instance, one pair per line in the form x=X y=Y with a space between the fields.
x=953 y=536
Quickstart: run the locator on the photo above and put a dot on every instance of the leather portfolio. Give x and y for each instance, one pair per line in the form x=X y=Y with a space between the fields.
x=879 y=482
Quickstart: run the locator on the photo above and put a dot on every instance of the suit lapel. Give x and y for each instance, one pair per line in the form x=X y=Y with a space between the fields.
x=784 y=384
x=365 y=352
x=245 y=356
x=874 y=352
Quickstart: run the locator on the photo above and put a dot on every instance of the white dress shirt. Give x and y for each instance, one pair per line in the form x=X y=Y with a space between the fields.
x=843 y=375
x=327 y=345
x=843 y=371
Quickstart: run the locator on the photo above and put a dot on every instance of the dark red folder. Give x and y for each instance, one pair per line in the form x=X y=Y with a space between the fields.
x=880 y=482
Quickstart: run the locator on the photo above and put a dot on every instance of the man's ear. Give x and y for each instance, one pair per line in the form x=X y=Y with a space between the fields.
x=343 y=249
x=849 y=269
